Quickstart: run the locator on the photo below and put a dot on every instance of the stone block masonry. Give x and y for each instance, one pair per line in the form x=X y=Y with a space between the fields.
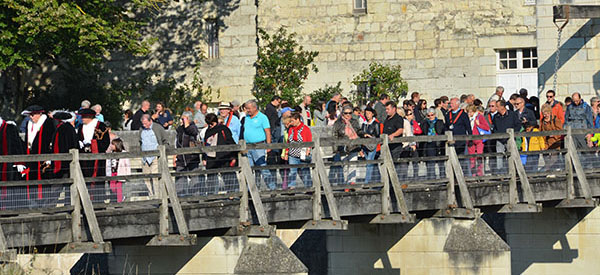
x=444 y=47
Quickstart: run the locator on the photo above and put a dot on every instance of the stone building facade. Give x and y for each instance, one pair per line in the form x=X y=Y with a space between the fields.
x=444 y=47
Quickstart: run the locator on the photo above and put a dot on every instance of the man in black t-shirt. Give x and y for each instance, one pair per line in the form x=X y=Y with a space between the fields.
x=393 y=127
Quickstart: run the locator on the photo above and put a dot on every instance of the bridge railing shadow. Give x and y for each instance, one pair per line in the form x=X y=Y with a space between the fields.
x=324 y=167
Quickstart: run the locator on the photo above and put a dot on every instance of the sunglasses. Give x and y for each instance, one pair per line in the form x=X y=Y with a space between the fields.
x=431 y=115
x=409 y=114
x=346 y=113
x=549 y=96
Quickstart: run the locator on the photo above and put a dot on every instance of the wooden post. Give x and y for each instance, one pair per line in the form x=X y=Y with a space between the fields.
x=88 y=208
x=569 y=166
x=169 y=191
x=393 y=176
x=75 y=199
x=317 y=203
x=460 y=178
x=324 y=181
x=254 y=193
x=451 y=193
x=385 y=191
x=572 y=161
x=581 y=178
x=520 y=169
x=243 y=186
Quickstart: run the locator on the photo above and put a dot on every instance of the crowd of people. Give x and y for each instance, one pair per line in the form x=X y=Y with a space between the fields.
x=86 y=130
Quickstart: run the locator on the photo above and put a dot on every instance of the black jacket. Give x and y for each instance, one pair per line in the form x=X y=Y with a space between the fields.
x=186 y=137
x=501 y=123
x=223 y=137
x=374 y=130
x=64 y=140
x=10 y=144
x=42 y=144
x=136 y=120
x=458 y=123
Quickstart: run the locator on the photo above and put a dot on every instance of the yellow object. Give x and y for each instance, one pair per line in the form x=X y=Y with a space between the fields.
x=533 y=143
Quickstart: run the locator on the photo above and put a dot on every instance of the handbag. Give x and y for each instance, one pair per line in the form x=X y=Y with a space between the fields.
x=416 y=128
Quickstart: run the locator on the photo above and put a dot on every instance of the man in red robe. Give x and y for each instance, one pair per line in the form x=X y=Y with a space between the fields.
x=11 y=144
x=93 y=138
x=38 y=137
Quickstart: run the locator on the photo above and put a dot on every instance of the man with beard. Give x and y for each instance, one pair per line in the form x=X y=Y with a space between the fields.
x=93 y=138
x=39 y=134
x=64 y=140
x=10 y=144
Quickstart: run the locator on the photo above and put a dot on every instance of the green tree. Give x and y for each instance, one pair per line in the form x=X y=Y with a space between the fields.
x=282 y=67
x=77 y=34
x=379 y=79
x=324 y=94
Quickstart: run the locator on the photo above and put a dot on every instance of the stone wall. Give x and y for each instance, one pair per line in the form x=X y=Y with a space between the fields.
x=579 y=69
x=444 y=47
x=432 y=246
x=556 y=241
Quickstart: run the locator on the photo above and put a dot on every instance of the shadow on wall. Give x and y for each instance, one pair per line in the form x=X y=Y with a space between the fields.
x=181 y=33
x=542 y=238
x=324 y=252
x=568 y=50
x=596 y=80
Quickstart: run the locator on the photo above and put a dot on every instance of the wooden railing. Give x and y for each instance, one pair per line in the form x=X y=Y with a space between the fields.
x=389 y=185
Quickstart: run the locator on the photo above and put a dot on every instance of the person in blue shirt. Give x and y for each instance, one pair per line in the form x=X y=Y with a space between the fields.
x=98 y=109
x=257 y=130
x=230 y=120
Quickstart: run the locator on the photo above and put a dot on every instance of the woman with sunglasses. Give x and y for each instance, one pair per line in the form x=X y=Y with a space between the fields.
x=346 y=128
x=409 y=149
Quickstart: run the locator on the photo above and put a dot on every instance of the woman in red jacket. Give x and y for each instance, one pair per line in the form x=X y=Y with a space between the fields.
x=479 y=126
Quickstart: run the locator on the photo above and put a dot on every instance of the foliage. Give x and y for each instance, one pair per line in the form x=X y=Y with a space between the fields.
x=176 y=98
x=80 y=32
x=73 y=35
x=324 y=94
x=282 y=67
x=380 y=79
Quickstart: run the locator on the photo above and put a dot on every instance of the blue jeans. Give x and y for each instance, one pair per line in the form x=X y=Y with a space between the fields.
x=258 y=158
x=371 y=171
x=304 y=173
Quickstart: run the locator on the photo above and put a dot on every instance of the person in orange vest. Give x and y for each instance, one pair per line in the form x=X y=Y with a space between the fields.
x=557 y=107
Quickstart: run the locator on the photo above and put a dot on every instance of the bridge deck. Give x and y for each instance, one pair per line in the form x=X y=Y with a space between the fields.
x=403 y=190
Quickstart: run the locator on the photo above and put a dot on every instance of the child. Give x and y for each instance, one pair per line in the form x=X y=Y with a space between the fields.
x=117 y=167
x=532 y=144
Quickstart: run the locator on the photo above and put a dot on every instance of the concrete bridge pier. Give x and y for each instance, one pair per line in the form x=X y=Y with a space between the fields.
x=211 y=255
x=431 y=246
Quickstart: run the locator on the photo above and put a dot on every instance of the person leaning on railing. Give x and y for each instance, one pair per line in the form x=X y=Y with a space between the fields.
x=298 y=132
x=151 y=135
x=550 y=122
x=346 y=128
x=433 y=126
x=218 y=134
x=372 y=129
x=187 y=136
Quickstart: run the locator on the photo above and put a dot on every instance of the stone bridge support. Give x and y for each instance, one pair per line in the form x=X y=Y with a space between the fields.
x=211 y=255
x=432 y=246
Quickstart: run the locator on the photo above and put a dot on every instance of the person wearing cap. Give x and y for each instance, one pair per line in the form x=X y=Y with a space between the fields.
x=93 y=138
x=230 y=120
x=11 y=144
x=40 y=131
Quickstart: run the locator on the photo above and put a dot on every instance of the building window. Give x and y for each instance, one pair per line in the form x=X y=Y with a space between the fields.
x=360 y=6
x=517 y=59
x=212 y=33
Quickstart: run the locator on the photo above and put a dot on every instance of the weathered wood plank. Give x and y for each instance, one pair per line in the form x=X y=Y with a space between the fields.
x=84 y=196
x=460 y=178
x=324 y=180
x=393 y=177
x=171 y=192
x=254 y=193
